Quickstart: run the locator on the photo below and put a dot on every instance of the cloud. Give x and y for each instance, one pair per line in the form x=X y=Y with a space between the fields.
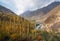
x=24 y=5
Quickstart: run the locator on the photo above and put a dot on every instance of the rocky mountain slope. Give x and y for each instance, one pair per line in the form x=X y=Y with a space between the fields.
x=52 y=20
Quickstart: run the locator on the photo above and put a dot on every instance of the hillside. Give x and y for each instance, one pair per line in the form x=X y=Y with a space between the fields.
x=13 y=24
x=37 y=14
x=52 y=20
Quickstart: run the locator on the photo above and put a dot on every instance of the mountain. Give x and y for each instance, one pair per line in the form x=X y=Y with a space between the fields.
x=36 y=15
x=52 y=20
x=4 y=9
x=13 y=24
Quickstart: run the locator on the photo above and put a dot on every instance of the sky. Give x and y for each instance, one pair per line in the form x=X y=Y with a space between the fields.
x=20 y=6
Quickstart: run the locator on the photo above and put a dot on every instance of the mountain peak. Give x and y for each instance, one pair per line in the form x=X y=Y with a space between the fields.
x=4 y=9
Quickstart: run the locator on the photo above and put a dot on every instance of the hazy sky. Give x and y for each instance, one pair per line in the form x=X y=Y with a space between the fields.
x=20 y=6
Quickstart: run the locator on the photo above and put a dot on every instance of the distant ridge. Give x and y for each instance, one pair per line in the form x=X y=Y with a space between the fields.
x=50 y=7
x=40 y=12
